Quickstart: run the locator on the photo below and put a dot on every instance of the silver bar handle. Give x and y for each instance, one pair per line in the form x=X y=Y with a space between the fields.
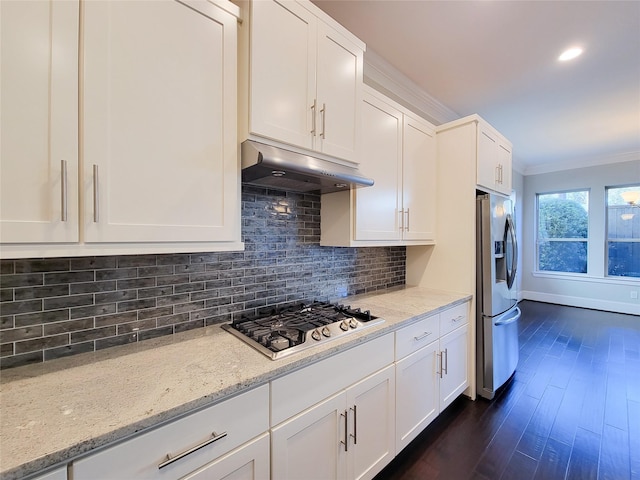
x=439 y=355
x=64 y=187
x=420 y=337
x=96 y=197
x=446 y=361
x=313 y=117
x=170 y=459
x=497 y=176
x=355 y=425
x=407 y=228
x=346 y=427
x=323 y=111
x=457 y=319
x=401 y=212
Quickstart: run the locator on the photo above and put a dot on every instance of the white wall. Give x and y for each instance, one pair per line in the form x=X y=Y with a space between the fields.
x=593 y=290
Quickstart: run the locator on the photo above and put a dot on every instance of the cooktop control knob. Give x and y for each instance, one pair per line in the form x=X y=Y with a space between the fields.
x=353 y=323
x=344 y=325
x=316 y=335
x=326 y=332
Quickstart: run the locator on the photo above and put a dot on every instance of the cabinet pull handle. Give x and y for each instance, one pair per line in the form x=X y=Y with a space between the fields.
x=170 y=459
x=457 y=319
x=346 y=427
x=355 y=425
x=401 y=212
x=407 y=228
x=439 y=355
x=420 y=337
x=497 y=176
x=64 y=187
x=96 y=216
x=446 y=362
x=323 y=111
x=313 y=118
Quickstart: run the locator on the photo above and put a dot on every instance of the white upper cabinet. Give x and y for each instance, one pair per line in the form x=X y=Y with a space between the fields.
x=378 y=208
x=419 y=180
x=398 y=151
x=304 y=75
x=39 y=122
x=494 y=160
x=159 y=162
x=155 y=168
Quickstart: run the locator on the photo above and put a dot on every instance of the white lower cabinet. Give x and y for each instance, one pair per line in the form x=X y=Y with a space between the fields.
x=347 y=436
x=431 y=370
x=215 y=442
x=57 y=474
x=249 y=462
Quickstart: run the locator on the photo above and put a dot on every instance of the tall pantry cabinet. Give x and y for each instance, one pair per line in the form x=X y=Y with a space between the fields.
x=471 y=155
x=115 y=133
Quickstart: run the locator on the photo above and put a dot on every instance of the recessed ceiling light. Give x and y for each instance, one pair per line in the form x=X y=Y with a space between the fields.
x=570 y=54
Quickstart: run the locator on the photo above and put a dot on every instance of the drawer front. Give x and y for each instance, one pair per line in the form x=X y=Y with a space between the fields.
x=303 y=388
x=241 y=418
x=453 y=318
x=413 y=337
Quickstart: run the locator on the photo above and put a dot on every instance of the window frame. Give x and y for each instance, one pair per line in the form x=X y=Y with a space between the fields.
x=537 y=239
x=607 y=238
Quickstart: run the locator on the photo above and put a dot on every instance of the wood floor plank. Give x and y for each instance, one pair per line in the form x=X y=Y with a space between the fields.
x=614 y=455
x=554 y=461
x=520 y=467
x=497 y=455
x=615 y=408
x=535 y=436
x=633 y=410
x=583 y=464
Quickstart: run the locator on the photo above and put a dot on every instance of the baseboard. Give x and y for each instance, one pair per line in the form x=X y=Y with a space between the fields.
x=593 y=303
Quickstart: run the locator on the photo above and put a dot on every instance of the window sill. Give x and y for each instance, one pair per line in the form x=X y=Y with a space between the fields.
x=584 y=277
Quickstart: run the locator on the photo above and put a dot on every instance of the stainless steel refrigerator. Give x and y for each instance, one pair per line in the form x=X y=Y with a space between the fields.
x=496 y=296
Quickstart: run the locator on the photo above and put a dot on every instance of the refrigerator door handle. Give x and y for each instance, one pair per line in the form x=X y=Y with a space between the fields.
x=509 y=319
x=512 y=266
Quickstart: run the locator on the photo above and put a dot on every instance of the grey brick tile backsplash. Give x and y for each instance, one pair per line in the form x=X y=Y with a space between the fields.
x=56 y=307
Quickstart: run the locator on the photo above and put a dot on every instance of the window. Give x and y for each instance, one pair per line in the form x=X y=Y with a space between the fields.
x=623 y=231
x=562 y=230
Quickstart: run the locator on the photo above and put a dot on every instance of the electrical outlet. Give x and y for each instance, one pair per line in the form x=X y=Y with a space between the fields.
x=634 y=295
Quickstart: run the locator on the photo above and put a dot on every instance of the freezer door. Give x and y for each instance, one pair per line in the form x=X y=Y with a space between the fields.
x=500 y=351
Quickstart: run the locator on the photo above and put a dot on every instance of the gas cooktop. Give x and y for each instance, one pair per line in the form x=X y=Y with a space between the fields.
x=284 y=331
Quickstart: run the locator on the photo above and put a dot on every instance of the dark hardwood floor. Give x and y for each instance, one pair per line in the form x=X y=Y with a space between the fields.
x=571 y=410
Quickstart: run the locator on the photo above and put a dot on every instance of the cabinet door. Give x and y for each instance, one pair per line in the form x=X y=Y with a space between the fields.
x=159 y=159
x=39 y=122
x=455 y=378
x=416 y=393
x=311 y=445
x=283 y=83
x=371 y=406
x=339 y=94
x=419 y=180
x=249 y=462
x=504 y=162
x=377 y=208
x=487 y=164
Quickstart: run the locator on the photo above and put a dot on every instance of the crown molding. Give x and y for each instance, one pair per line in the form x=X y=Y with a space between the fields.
x=582 y=163
x=384 y=77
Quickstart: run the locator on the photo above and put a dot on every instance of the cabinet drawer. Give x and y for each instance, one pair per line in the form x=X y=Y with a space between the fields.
x=241 y=418
x=412 y=337
x=453 y=318
x=303 y=388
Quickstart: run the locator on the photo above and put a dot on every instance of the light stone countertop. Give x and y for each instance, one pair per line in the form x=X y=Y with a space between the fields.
x=57 y=410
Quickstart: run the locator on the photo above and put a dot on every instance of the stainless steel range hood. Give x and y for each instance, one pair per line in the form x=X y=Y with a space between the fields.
x=272 y=167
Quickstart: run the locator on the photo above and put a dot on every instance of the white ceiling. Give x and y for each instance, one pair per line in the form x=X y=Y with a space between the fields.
x=499 y=59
